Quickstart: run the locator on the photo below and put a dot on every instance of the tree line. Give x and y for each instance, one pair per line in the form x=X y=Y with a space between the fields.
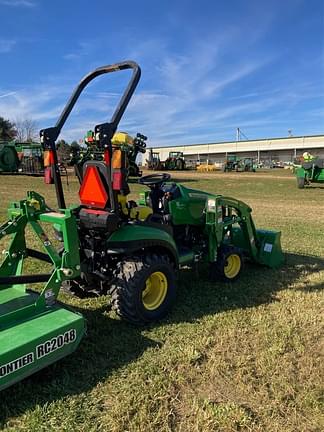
x=27 y=131
x=21 y=130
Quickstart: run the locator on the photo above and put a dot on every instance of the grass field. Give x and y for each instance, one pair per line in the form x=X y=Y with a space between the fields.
x=241 y=357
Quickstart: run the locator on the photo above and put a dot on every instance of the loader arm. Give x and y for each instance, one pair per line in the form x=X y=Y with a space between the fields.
x=229 y=220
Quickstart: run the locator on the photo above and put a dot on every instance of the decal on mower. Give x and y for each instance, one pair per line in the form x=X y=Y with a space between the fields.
x=17 y=364
x=55 y=343
x=42 y=350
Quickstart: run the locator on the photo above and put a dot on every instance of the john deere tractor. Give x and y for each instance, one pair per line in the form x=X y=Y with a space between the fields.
x=235 y=163
x=108 y=243
x=309 y=171
x=175 y=161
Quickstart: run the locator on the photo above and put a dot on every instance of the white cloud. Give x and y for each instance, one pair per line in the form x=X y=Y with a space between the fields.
x=18 y=3
x=186 y=97
x=7 y=94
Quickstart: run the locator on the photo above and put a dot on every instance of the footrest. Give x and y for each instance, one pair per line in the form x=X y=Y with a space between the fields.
x=31 y=345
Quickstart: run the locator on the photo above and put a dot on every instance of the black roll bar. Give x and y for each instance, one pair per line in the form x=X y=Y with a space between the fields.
x=49 y=136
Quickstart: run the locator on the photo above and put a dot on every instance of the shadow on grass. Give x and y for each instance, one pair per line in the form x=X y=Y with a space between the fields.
x=257 y=285
x=111 y=344
x=108 y=345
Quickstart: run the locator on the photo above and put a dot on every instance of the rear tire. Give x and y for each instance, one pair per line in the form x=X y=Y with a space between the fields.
x=300 y=182
x=143 y=289
x=179 y=164
x=229 y=264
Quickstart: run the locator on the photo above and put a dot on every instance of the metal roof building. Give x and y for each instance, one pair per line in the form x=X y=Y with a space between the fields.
x=283 y=149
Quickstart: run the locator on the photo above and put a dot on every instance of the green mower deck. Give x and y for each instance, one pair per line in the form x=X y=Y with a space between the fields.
x=29 y=345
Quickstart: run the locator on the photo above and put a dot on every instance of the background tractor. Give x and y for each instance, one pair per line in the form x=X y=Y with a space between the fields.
x=153 y=162
x=310 y=171
x=235 y=163
x=111 y=244
x=22 y=158
x=175 y=161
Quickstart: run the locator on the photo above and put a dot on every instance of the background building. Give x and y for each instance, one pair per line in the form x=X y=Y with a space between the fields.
x=262 y=150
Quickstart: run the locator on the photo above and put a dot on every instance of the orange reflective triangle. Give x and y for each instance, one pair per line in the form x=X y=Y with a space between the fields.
x=92 y=192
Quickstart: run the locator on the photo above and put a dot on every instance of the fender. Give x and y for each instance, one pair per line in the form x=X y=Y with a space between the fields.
x=133 y=237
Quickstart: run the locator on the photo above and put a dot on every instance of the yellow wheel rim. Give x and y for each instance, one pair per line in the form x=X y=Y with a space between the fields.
x=233 y=266
x=155 y=291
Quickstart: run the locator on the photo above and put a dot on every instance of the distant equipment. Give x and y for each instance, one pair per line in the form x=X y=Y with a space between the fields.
x=235 y=163
x=21 y=158
x=309 y=169
x=175 y=161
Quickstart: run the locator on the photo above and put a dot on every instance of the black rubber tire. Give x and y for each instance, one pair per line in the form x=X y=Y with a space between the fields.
x=300 y=182
x=179 y=165
x=129 y=282
x=217 y=269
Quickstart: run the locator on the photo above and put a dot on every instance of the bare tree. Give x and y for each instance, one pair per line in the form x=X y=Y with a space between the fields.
x=27 y=130
x=7 y=129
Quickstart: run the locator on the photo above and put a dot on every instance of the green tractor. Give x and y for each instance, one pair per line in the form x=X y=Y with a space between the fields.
x=21 y=158
x=175 y=161
x=235 y=163
x=110 y=244
x=246 y=165
x=9 y=161
x=308 y=172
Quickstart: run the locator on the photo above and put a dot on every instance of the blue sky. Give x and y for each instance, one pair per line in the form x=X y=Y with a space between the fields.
x=207 y=66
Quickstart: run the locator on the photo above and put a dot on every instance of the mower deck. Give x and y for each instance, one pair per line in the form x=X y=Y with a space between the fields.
x=14 y=298
x=30 y=344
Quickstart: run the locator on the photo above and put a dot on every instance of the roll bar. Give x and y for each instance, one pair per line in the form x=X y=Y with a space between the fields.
x=104 y=131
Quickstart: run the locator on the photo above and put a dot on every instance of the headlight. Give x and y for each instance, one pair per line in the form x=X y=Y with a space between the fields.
x=211 y=204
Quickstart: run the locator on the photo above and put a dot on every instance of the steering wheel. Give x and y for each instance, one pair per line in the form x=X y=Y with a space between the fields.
x=154 y=179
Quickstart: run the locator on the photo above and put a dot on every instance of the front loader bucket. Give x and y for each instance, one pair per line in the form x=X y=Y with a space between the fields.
x=269 y=251
x=35 y=329
x=34 y=342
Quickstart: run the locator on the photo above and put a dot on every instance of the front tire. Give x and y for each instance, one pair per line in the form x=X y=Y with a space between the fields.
x=143 y=289
x=180 y=165
x=300 y=182
x=229 y=264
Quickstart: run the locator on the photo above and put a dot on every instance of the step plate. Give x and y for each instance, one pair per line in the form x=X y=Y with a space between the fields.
x=38 y=342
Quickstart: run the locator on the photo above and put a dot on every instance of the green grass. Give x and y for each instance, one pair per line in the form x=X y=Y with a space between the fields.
x=240 y=357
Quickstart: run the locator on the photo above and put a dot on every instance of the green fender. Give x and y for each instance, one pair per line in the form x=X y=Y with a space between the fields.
x=132 y=238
